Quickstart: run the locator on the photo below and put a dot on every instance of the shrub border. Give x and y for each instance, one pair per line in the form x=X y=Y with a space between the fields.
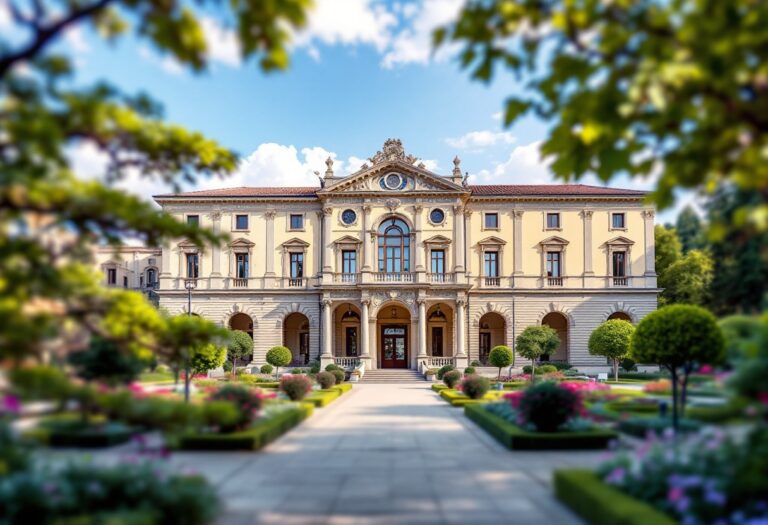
x=600 y=504
x=256 y=437
x=515 y=438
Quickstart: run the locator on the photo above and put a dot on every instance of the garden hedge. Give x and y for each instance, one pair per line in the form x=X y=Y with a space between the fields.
x=640 y=426
x=321 y=398
x=92 y=437
x=437 y=387
x=260 y=434
x=515 y=438
x=458 y=399
x=600 y=504
x=734 y=410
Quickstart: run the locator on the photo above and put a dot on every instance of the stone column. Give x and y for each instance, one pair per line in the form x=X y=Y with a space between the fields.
x=164 y=279
x=588 y=269
x=422 y=328
x=461 y=352
x=458 y=218
x=650 y=246
x=327 y=252
x=518 y=253
x=216 y=250
x=326 y=353
x=367 y=259
x=269 y=244
x=417 y=209
x=364 y=350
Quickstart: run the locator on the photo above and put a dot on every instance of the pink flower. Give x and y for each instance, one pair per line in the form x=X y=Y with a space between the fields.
x=763 y=398
x=675 y=494
x=10 y=405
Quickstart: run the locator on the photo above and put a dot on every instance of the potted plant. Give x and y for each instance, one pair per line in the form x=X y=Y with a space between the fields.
x=354 y=376
x=429 y=375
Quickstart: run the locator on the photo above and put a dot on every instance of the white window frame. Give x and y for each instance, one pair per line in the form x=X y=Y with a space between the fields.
x=610 y=220
x=498 y=220
x=234 y=222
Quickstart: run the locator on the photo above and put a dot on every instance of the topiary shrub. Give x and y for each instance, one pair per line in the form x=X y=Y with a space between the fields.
x=546 y=369
x=628 y=364
x=247 y=400
x=451 y=378
x=469 y=370
x=208 y=357
x=239 y=348
x=339 y=374
x=295 y=387
x=104 y=361
x=611 y=339
x=443 y=370
x=475 y=387
x=332 y=367
x=476 y=363
x=536 y=341
x=314 y=367
x=325 y=379
x=266 y=369
x=278 y=356
x=501 y=357
x=547 y=406
x=297 y=371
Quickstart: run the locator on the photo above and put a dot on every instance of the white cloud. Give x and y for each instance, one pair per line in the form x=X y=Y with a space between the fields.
x=524 y=166
x=5 y=15
x=75 y=39
x=413 y=43
x=223 y=44
x=479 y=140
x=497 y=116
x=167 y=63
x=348 y=23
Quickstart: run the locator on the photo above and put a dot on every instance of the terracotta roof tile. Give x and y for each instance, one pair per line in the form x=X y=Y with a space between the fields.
x=562 y=190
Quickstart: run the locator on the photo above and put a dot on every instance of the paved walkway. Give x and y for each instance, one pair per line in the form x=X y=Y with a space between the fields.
x=388 y=454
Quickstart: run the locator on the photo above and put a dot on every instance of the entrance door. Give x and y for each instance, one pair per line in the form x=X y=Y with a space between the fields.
x=485 y=346
x=304 y=347
x=394 y=346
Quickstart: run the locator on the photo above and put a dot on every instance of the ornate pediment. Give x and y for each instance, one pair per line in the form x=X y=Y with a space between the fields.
x=347 y=239
x=492 y=241
x=554 y=240
x=438 y=240
x=620 y=241
x=391 y=171
x=242 y=242
x=295 y=243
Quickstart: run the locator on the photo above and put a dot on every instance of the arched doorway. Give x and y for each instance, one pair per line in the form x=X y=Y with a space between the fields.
x=296 y=337
x=440 y=330
x=393 y=321
x=493 y=330
x=559 y=323
x=347 y=331
x=620 y=315
x=242 y=322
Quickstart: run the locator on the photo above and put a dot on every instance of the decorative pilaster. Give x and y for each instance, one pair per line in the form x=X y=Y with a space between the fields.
x=327 y=252
x=215 y=249
x=422 y=328
x=269 y=244
x=587 y=218
x=518 y=241
x=461 y=352
x=367 y=259
x=650 y=244
x=458 y=219
x=364 y=350
x=417 y=209
x=326 y=353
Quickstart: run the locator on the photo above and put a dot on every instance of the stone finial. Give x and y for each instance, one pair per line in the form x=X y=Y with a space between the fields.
x=456 y=166
x=329 y=167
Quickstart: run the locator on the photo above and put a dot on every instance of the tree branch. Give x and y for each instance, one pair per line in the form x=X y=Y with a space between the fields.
x=44 y=35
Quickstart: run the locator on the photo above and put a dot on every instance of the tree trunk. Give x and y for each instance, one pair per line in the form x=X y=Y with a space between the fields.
x=533 y=371
x=684 y=392
x=616 y=369
x=675 y=416
x=498 y=377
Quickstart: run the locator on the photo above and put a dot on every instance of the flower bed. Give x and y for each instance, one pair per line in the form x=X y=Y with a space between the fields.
x=600 y=504
x=642 y=426
x=263 y=431
x=516 y=438
x=69 y=430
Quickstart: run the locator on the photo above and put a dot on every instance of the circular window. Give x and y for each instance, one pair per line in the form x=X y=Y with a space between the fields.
x=393 y=181
x=348 y=216
x=437 y=216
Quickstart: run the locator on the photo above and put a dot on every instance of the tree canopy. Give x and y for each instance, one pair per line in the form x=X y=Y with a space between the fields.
x=678 y=89
x=536 y=341
x=611 y=339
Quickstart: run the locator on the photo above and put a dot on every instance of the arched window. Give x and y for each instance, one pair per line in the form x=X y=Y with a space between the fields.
x=394 y=246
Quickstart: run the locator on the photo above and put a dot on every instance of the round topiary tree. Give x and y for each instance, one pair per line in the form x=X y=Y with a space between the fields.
x=536 y=341
x=611 y=339
x=278 y=356
x=678 y=337
x=339 y=374
x=475 y=387
x=240 y=347
x=451 y=378
x=443 y=370
x=501 y=356
x=266 y=369
x=325 y=380
x=207 y=357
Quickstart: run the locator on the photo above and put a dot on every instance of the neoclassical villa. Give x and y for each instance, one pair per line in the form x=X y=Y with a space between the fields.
x=395 y=266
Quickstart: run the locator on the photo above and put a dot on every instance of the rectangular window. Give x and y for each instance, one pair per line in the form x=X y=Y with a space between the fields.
x=297 y=221
x=554 y=266
x=193 y=220
x=619 y=264
x=349 y=261
x=241 y=222
x=193 y=266
x=491 y=221
x=617 y=221
x=241 y=265
x=553 y=220
x=437 y=341
x=297 y=265
x=491 y=264
x=111 y=276
x=438 y=261
x=125 y=281
x=351 y=337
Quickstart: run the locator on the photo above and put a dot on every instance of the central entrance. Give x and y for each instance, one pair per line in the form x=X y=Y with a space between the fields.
x=394 y=346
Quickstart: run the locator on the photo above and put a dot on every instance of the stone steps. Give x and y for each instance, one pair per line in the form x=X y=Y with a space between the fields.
x=391 y=376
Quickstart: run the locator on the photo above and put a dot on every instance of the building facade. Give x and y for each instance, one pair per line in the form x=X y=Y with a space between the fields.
x=396 y=267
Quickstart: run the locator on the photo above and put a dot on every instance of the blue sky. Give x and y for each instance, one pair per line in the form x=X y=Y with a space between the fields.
x=361 y=72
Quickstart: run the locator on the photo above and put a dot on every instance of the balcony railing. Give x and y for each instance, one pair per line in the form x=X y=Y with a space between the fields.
x=346 y=362
x=492 y=281
x=620 y=281
x=240 y=282
x=392 y=277
x=441 y=278
x=346 y=278
x=296 y=282
x=555 y=281
x=437 y=362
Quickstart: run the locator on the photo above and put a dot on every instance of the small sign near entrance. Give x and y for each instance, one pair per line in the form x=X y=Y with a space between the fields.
x=602 y=376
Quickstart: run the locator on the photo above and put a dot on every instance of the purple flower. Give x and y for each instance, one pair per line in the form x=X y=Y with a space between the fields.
x=675 y=494
x=616 y=476
x=10 y=405
x=714 y=497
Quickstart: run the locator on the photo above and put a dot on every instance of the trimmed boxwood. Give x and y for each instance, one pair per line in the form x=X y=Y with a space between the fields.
x=437 y=387
x=600 y=504
x=515 y=438
x=344 y=387
x=321 y=398
x=459 y=399
x=108 y=435
x=260 y=434
x=639 y=426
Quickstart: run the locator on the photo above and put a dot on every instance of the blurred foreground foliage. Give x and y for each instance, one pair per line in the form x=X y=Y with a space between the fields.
x=50 y=220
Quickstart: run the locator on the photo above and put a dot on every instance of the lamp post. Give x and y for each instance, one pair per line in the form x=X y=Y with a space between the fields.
x=189 y=284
